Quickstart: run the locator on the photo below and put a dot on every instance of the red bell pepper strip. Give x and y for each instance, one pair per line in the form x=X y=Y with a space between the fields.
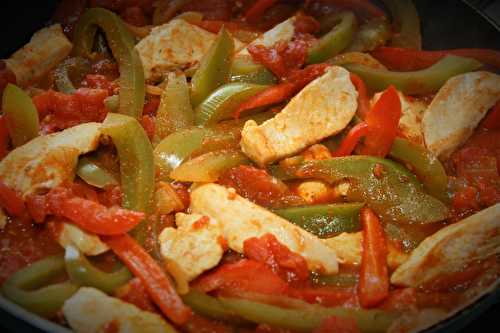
x=157 y=285
x=492 y=119
x=401 y=59
x=363 y=100
x=91 y=215
x=11 y=201
x=383 y=121
x=257 y=10
x=4 y=137
x=351 y=140
x=373 y=284
x=269 y=96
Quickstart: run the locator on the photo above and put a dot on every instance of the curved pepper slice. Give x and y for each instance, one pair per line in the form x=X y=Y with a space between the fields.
x=392 y=191
x=21 y=287
x=214 y=70
x=20 y=114
x=421 y=82
x=93 y=174
x=407 y=24
x=334 y=41
x=326 y=220
x=121 y=42
x=83 y=273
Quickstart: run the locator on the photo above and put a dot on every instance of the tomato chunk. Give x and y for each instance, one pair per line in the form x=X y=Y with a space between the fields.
x=11 y=201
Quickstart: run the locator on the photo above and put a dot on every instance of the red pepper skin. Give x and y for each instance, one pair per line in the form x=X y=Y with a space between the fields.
x=269 y=96
x=373 y=285
x=351 y=140
x=363 y=100
x=11 y=201
x=492 y=120
x=258 y=8
x=410 y=60
x=4 y=138
x=383 y=121
x=157 y=285
x=91 y=215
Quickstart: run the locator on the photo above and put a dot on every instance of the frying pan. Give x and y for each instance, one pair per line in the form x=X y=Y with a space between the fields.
x=445 y=24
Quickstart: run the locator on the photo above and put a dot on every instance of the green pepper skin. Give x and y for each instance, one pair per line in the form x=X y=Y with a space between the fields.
x=308 y=318
x=420 y=82
x=222 y=103
x=83 y=273
x=214 y=69
x=406 y=21
x=121 y=42
x=175 y=112
x=387 y=187
x=21 y=115
x=25 y=287
x=208 y=306
x=63 y=72
x=370 y=35
x=93 y=174
x=326 y=220
x=245 y=70
x=334 y=41
x=427 y=167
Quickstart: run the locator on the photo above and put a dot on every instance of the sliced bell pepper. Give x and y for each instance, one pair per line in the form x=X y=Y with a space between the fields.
x=363 y=99
x=256 y=11
x=387 y=187
x=158 y=286
x=214 y=69
x=373 y=286
x=112 y=103
x=370 y=35
x=421 y=82
x=175 y=111
x=406 y=22
x=244 y=69
x=326 y=220
x=121 y=42
x=492 y=119
x=136 y=160
x=223 y=102
x=20 y=114
x=427 y=167
x=209 y=306
x=308 y=318
x=208 y=167
x=26 y=287
x=83 y=273
x=334 y=41
x=351 y=140
x=77 y=66
x=93 y=174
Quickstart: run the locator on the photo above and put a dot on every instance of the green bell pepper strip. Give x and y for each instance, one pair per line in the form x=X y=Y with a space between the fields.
x=334 y=41
x=309 y=317
x=245 y=70
x=427 y=167
x=67 y=68
x=137 y=172
x=21 y=115
x=325 y=220
x=370 y=35
x=208 y=306
x=407 y=24
x=112 y=103
x=83 y=273
x=222 y=103
x=208 y=167
x=387 y=187
x=121 y=42
x=214 y=69
x=420 y=82
x=26 y=287
x=93 y=174
x=175 y=111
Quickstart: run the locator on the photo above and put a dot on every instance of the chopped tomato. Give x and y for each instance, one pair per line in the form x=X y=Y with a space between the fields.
x=134 y=15
x=84 y=190
x=90 y=215
x=336 y=324
x=258 y=186
x=151 y=106
x=11 y=201
x=305 y=24
x=4 y=138
x=291 y=266
x=257 y=10
x=148 y=123
x=134 y=292
x=68 y=13
x=245 y=275
x=151 y=275
x=111 y=196
x=492 y=119
x=37 y=207
x=373 y=285
x=98 y=81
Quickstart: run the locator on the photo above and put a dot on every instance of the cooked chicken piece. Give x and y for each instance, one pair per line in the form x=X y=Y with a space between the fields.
x=46 y=49
x=410 y=123
x=89 y=244
x=193 y=248
x=456 y=110
x=48 y=161
x=282 y=32
x=349 y=247
x=323 y=108
x=452 y=248
x=92 y=311
x=176 y=45
x=240 y=219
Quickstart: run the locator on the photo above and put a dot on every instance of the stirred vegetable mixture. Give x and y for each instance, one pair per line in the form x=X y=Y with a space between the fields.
x=247 y=166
